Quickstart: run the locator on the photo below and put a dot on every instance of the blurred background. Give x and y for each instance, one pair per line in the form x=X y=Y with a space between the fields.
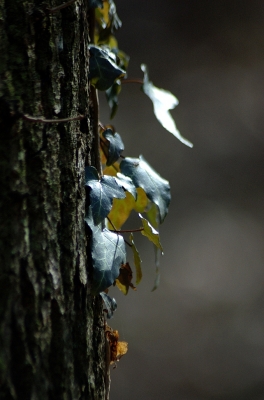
x=200 y=335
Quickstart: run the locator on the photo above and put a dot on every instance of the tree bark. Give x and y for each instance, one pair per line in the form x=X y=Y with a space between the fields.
x=52 y=340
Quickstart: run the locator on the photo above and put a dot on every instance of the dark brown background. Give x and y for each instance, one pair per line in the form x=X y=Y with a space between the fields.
x=201 y=334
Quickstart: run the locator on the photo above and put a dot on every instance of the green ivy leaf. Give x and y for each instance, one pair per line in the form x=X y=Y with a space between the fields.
x=103 y=68
x=143 y=175
x=116 y=146
x=108 y=254
x=127 y=184
x=150 y=232
x=137 y=260
x=102 y=193
x=110 y=304
x=163 y=101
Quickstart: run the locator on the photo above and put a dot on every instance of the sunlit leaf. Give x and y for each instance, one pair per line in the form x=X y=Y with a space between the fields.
x=109 y=303
x=123 y=281
x=120 y=211
x=150 y=233
x=116 y=146
x=102 y=193
x=137 y=260
x=142 y=201
x=112 y=169
x=143 y=175
x=126 y=183
x=108 y=254
x=153 y=215
x=163 y=101
x=103 y=69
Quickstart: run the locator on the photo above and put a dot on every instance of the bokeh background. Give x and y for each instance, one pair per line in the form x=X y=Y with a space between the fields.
x=201 y=334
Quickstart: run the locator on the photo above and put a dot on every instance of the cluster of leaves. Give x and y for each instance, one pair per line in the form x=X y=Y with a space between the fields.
x=126 y=186
x=129 y=185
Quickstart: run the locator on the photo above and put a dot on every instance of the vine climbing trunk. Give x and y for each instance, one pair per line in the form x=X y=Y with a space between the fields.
x=52 y=340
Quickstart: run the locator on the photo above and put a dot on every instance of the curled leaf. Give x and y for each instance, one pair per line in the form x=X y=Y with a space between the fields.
x=117 y=348
x=103 y=68
x=109 y=303
x=115 y=148
x=123 y=281
x=163 y=101
x=150 y=233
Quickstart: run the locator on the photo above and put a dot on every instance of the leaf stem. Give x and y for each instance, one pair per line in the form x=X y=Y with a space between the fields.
x=58 y=8
x=130 y=230
x=132 y=80
x=124 y=230
x=52 y=121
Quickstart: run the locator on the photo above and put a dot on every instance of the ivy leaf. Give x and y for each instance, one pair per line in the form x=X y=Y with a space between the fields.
x=143 y=175
x=107 y=16
x=127 y=184
x=152 y=215
x=116 y=146
x=110 y=304
x=150 y=232
x=102 y=193
x=123 y=281
x=112 y=169
x=163 y=101
x=103 y=68
x=108 y=254
x=137 y=260
x=121 y=209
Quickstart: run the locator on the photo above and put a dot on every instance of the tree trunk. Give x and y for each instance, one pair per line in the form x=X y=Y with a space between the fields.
x=52 y=340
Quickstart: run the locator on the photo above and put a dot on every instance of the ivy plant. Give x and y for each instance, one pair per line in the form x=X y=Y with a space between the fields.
x=124 y=184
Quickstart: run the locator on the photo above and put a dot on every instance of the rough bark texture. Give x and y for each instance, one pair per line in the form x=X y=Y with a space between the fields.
x=52 y=342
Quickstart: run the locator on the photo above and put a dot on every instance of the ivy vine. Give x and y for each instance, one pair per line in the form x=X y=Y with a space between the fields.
x=124 y=184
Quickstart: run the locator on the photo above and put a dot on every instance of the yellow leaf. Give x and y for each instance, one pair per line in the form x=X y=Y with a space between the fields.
x=112 y=169
x=141 y=202
x=120 y=211
x=137 y=260
x=150 y=233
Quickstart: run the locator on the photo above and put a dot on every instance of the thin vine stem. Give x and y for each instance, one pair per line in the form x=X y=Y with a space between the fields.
x=125 y=231
x=30 y=118
x=132 y=80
